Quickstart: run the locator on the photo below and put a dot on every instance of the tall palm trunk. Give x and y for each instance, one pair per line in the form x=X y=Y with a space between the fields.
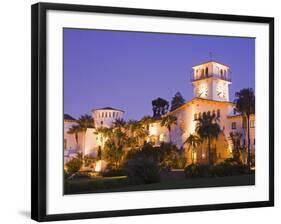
x=170 y=140
x=209 y=150
x=83 y=149
x=249 y=143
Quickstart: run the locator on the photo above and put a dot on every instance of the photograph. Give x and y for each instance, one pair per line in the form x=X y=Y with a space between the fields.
x=156 y=111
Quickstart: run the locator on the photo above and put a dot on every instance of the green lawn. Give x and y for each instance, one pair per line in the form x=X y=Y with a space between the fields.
x=123 y=184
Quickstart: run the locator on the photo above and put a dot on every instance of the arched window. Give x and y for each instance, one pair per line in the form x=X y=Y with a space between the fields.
x=207 y=72
x=113 y=114
x=221 y=72
x=105 y=114
x=199 y=115
x=102 y=114
x=224 y=74
x=202 y=73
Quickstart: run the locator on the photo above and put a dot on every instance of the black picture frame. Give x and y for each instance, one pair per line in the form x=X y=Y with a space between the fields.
x=38 y=116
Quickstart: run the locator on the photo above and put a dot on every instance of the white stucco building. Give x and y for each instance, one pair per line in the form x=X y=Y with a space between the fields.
x=90 y=141
x=210 y=81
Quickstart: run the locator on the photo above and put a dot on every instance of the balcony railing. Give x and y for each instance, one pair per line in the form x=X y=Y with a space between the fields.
x=200 y=77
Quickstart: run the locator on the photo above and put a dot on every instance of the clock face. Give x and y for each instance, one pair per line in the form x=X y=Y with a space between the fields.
x=221 y=92
x=202 y=91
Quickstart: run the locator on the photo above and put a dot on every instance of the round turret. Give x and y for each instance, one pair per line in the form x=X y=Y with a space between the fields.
x=104 y=117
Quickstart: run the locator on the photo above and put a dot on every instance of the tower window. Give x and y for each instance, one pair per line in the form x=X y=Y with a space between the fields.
x=199 y=115
x=202 y=73
x=233 y=125
x=207 y=72
x=109 y=114
x=105 y=114
x=102 y=114
x=221 y=72
x=113 y=114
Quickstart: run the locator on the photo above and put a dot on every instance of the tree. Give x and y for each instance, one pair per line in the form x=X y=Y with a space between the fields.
x=193 y=141
x=168 y=121
x=112 y=153
x=115 y=139
x=245 y=104
x=119 y=123
x=236 y=139
x=75 y=164
x=160 y=107
x=85 y=121
x=208 y=129
x=138 y=132
x=75 y=129
x=146 y=121
x=177 y=101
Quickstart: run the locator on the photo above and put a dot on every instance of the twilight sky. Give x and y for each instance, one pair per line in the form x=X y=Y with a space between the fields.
x=127 y=70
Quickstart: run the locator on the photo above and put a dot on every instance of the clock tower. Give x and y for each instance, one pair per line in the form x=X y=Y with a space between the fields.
x=211 y=81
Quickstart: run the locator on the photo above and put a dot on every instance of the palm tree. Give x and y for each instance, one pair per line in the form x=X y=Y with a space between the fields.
x=236 y=138
x=119 y=123
x=245 y=104
x=85 y=121
x=208 y=129
x=168 y=121
x=146 y=121
x=75 y=129
x=193 y=141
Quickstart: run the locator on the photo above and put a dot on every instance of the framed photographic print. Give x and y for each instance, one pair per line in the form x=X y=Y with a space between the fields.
x=138 y=111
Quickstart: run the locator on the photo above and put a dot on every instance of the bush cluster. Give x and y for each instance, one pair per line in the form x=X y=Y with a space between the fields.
x=113 y=173
x=73 y=166
x=141 y=165
x=225 y=168
x=141 y=170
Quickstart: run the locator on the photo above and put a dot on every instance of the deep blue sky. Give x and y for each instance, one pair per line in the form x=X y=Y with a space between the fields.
x=127 y=70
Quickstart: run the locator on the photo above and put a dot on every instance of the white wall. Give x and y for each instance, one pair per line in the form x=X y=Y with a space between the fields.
x=15 y=110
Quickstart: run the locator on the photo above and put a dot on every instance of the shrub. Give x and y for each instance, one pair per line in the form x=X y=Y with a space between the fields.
x=180 y=161
x=147 y=151
x=113 y=173
x=74 y=165
x=80 y=175
x=141 y=170
x=66 y=174
x=229 y=169
x=197 y=170
x=171 y=157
